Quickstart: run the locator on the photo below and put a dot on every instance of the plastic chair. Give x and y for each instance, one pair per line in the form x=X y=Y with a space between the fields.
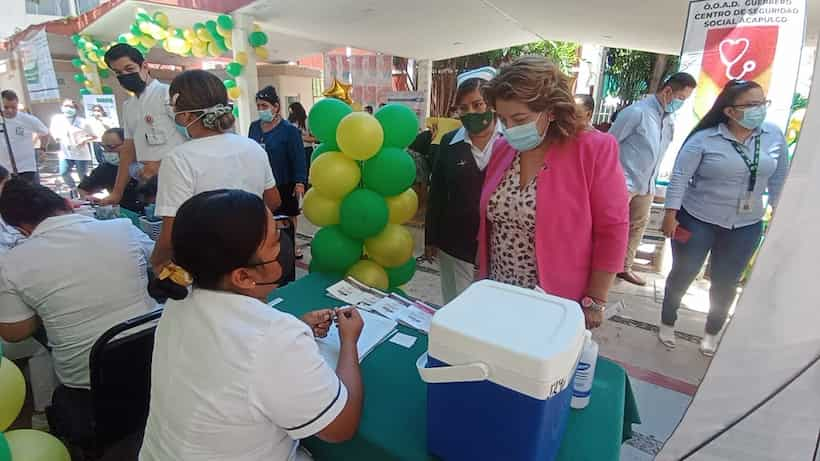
x=116 y=407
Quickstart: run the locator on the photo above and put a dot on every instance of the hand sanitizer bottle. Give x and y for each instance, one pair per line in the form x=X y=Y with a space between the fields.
x=584 y=373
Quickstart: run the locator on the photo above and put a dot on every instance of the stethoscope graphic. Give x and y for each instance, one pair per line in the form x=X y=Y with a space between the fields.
x=747 y=66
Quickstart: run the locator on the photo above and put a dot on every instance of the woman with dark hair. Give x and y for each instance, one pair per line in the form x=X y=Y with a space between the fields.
x=10 y=237
x=282 y=141
x=74 y=135
x=458 y=172
x=554 y=205
x=213 y=157
x=586 y=107
x=714 y=203
x=227 y=363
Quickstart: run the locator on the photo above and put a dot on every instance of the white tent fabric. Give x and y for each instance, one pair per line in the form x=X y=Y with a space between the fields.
x=774 y=333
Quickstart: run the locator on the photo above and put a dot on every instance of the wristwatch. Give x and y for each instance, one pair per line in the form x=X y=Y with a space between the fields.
x=591 y=304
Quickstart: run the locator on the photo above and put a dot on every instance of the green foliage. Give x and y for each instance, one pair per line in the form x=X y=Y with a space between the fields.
x=631 y=71
x=799 y=102
x=564 y=54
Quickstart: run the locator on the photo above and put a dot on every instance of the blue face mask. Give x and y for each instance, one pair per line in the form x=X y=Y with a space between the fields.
x=69 y=111
x=266 y=115
x=183 y=129
x=525 y=137
x=673 y=105
x=753 y=117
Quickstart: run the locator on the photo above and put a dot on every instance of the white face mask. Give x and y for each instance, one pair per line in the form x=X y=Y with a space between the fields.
x=525 y=137
x=111 y=157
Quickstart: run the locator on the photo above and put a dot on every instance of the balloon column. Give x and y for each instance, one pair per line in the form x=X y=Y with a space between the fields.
x=22 y=444
x=361 y=195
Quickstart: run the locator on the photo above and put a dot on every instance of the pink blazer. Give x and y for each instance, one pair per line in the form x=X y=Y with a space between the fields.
x=582 y=212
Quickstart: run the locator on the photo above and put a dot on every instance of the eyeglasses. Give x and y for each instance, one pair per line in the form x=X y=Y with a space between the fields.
x=112 y=146
x=750 y=105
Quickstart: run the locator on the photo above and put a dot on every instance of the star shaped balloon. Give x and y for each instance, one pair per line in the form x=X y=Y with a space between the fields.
x=340 y=91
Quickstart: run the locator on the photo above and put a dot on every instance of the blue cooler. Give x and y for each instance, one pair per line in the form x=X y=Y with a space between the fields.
x=499 y=368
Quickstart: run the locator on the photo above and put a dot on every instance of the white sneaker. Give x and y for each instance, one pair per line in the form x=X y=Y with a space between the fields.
x=666 y=335
x=708 y=345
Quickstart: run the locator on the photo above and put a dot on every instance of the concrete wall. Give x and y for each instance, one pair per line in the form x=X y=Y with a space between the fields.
x=290 y=81
x=14 y=17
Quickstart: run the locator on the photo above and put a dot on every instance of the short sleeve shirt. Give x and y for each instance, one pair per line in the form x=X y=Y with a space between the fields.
x=147 y=119
x=21 y=131
x=225 y=161
x=231 y=365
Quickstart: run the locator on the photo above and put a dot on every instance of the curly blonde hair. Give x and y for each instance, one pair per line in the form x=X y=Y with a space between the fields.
x=537 y=82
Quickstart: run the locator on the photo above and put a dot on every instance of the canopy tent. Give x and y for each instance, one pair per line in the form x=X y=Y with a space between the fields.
x=773 y=337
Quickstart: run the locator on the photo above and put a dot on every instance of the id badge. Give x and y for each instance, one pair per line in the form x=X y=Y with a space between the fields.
x=155 y=136
x=745 y=203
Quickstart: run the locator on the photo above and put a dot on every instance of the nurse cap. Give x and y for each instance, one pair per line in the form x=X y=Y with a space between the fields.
x=486 y=73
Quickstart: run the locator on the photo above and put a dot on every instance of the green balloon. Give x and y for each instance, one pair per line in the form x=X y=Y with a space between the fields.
x=77 y=62
x=316 y=266
x=234 y=69
x=363 y=214
x=325 y=116
x=79 y=78
x=75 y=39
x=400 y=125
x=225 y=21
x=400 y=275
x=390 y=172
x=105 y=73
x=84 y=91
x=211 y=26
x=142 y=16
x=142 y=49
x=333 y=250
x=258 y=39
x=107 y=89
x=321 y=149
x=220 y=43
x=135 y=29
x=198 y=25
x=122 y=39
x=235 y=111
x=229 y=83
x=5 y=450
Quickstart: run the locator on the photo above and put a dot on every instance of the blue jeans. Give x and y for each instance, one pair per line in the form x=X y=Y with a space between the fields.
x=731 y=250
x=65 y=170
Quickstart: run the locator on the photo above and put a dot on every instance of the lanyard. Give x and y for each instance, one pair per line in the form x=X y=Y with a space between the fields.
x=750 y=164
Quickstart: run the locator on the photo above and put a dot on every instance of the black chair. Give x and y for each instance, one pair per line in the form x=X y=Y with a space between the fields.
x=116 y=407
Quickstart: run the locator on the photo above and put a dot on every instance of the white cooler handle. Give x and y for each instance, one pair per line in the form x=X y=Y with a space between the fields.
x=452 y=374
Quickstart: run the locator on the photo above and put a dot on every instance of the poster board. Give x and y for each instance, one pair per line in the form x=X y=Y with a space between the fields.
x=38 y=68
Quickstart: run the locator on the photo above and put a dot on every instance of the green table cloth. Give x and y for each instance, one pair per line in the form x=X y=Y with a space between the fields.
x=394 y=421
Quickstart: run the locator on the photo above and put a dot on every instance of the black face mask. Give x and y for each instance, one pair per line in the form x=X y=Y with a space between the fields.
x=286 y=259
x=132 y=82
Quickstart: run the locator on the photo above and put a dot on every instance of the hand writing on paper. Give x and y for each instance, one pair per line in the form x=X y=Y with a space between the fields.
x=319 y=321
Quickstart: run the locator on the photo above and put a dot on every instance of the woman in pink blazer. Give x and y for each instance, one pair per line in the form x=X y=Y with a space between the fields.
x=554 y=209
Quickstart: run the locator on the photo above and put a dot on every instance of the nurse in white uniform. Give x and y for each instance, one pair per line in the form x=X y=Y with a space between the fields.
x=233 y=378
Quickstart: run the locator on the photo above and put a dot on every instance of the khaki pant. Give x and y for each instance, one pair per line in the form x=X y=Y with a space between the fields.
x=456 y=276
x=639 y=207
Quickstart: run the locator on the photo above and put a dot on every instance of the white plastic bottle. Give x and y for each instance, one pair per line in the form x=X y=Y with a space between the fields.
x=584 y=373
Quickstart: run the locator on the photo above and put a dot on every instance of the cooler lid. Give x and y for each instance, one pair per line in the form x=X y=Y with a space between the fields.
x=526 y=338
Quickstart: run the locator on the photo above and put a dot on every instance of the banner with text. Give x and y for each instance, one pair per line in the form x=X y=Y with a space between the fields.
x=38 y=68
x=760 y=40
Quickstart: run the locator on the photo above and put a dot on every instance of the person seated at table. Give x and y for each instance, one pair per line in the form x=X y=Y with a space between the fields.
x=75 y=276
x=105 y=175
x=212 y=157
x=9 y=236
x=232 y=377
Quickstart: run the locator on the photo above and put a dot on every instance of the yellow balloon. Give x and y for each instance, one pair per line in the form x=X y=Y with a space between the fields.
x=257 y=28
x=178 y=45
x=132 y=39
x=359 y=135
x=402 y=207
x=369 y=273
x=261 y=52
x=225 y=33
x=88 y=84
x=234 y=92
x=204 y=35
x=85 y=68
x=189 y=35
x=102 y=65
x=334 y=175
x=13 y=392
x=148 y=41
x=213 y=49
x=320 y=210
x=241 y=58
x=161 y=18
x=392 y=247
x=31 y=445
x=199 y=50
x=229 y=42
